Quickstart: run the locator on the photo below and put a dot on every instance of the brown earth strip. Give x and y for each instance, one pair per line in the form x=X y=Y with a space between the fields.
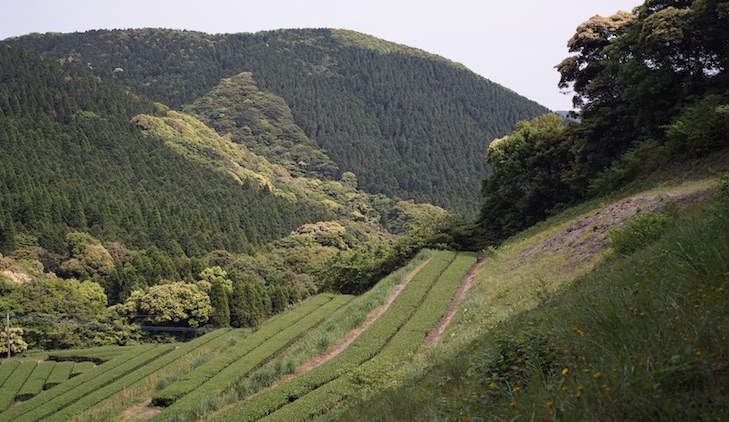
x=372 y=317
x=437 y=332
x=346 y=341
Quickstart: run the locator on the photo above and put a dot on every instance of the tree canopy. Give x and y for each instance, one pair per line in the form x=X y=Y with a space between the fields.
x=651 y=86
x=409 y=124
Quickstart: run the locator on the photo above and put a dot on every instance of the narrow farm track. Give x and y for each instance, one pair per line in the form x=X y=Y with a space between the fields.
x=396 y=334
x=372 y=317
x=346 y=341
x=437 y=332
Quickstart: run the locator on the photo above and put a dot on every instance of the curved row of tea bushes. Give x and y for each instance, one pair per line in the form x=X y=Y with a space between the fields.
x=365 y=347
x=57 y=398
x=200 y=400
x=61 y=372
x=35 y=382
x=81 y=367
x=405 y=342
x=211 y=340
x=6 y=369
x=191 y=380
x=15 y=381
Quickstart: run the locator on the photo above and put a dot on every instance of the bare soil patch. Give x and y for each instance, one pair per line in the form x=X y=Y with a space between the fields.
x=437 y=332
x=372 y=317
x=587 y=236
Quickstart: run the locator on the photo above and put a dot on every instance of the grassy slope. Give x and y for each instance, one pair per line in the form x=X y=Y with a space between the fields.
x=558 y=326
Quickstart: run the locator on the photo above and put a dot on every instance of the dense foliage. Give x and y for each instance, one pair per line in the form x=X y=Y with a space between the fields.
x=408 y=124
x=71 y=160
x=651 y=86
x=102 y=206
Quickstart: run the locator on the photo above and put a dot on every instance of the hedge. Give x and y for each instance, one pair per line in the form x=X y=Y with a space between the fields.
x=12 y=385
x=35 y=382
x=194 y=402
x=367 y=345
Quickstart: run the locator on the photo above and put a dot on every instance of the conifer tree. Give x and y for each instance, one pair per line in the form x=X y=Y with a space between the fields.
x=220 y=316
x=246 y=305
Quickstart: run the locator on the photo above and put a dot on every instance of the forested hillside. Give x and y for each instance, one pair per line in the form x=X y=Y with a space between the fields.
x=117 y=212
x=407 y=123
x=72 y=160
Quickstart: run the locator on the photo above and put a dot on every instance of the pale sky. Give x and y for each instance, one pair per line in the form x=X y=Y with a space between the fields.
x=515 y=43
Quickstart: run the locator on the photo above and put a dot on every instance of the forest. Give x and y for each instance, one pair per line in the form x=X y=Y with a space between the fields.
x=651 y=88
x=224 y=197
x=116 y=207
x=410 y=125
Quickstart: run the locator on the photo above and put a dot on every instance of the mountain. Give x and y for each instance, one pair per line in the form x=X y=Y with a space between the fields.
x=409 y=124
x=72 y=159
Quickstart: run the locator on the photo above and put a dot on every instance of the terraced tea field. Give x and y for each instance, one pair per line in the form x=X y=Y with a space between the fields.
x=200 y=378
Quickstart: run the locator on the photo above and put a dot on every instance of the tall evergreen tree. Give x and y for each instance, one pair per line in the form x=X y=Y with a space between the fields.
x=220 y=316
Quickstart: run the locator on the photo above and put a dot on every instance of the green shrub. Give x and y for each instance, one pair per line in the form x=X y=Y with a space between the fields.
x=12 y=385
x=639 y=232
x=61 y=372
x=35 y=382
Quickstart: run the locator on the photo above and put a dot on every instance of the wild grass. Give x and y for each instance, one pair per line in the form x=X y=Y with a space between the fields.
x=638 y=336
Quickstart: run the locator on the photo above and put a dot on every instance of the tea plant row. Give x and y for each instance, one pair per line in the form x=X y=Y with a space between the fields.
x=364 y=348
x=259 y=350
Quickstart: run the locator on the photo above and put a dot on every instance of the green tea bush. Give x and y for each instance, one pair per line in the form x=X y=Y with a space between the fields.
x=210 y=392
x=6 y=369
x=364 y=348
x=193 y=379
x=12 y=385
x=51 y=401
x=35 y=382
x=61 y=372
x=638 y=232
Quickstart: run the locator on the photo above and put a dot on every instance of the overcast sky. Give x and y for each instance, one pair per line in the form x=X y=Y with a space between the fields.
x=515 y=43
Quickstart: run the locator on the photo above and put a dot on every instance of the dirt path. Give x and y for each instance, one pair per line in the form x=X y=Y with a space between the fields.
x=352 y=336
x=142 y=411
x=437 y=332
x=342 y=345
